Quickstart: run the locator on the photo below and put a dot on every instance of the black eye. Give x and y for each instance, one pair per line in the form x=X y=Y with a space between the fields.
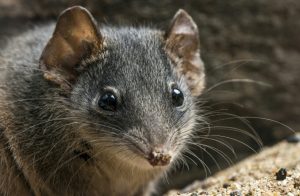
x=108 y=101
x=177 y=97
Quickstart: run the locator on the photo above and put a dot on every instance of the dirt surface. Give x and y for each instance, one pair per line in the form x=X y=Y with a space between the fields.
x=261 y=174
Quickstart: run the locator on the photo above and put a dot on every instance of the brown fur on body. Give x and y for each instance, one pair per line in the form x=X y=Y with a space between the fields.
x=57 y=140
x=12 y=181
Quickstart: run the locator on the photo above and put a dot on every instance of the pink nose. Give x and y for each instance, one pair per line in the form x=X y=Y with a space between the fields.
x=159 y=158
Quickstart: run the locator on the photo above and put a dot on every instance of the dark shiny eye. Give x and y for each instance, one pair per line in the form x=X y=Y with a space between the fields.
x=108 y=101
x=177 y=97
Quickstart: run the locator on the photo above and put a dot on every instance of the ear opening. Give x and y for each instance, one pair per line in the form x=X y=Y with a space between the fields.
x=75 y=38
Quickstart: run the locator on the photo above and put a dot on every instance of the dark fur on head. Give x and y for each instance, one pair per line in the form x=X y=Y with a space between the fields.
x=62 y=142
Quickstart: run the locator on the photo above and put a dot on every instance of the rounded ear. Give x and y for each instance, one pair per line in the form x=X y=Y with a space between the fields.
x=75 y=38
x=183 y=47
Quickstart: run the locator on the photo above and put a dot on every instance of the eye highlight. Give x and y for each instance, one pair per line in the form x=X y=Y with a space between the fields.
x=108 y=101
x=177 y=97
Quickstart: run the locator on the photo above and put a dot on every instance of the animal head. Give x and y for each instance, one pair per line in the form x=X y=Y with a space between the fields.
x=134 y=87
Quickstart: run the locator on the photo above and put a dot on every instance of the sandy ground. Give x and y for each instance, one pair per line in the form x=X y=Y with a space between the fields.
x=262 y=174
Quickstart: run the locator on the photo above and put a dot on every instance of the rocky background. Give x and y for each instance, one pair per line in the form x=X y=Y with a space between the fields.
x=252 y=55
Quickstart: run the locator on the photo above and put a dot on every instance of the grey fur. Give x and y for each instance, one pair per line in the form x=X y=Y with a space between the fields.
x=46 y=126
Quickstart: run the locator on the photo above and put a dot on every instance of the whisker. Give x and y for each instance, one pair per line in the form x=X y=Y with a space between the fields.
x=237 y=80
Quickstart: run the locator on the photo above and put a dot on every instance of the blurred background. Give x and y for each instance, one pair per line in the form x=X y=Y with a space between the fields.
x=252 y=54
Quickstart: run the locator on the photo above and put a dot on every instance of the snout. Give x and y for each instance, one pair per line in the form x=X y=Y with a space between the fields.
x=155 y=152
x=159 y=157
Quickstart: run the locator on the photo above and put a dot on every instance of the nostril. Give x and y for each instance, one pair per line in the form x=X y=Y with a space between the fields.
x=159 y=158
